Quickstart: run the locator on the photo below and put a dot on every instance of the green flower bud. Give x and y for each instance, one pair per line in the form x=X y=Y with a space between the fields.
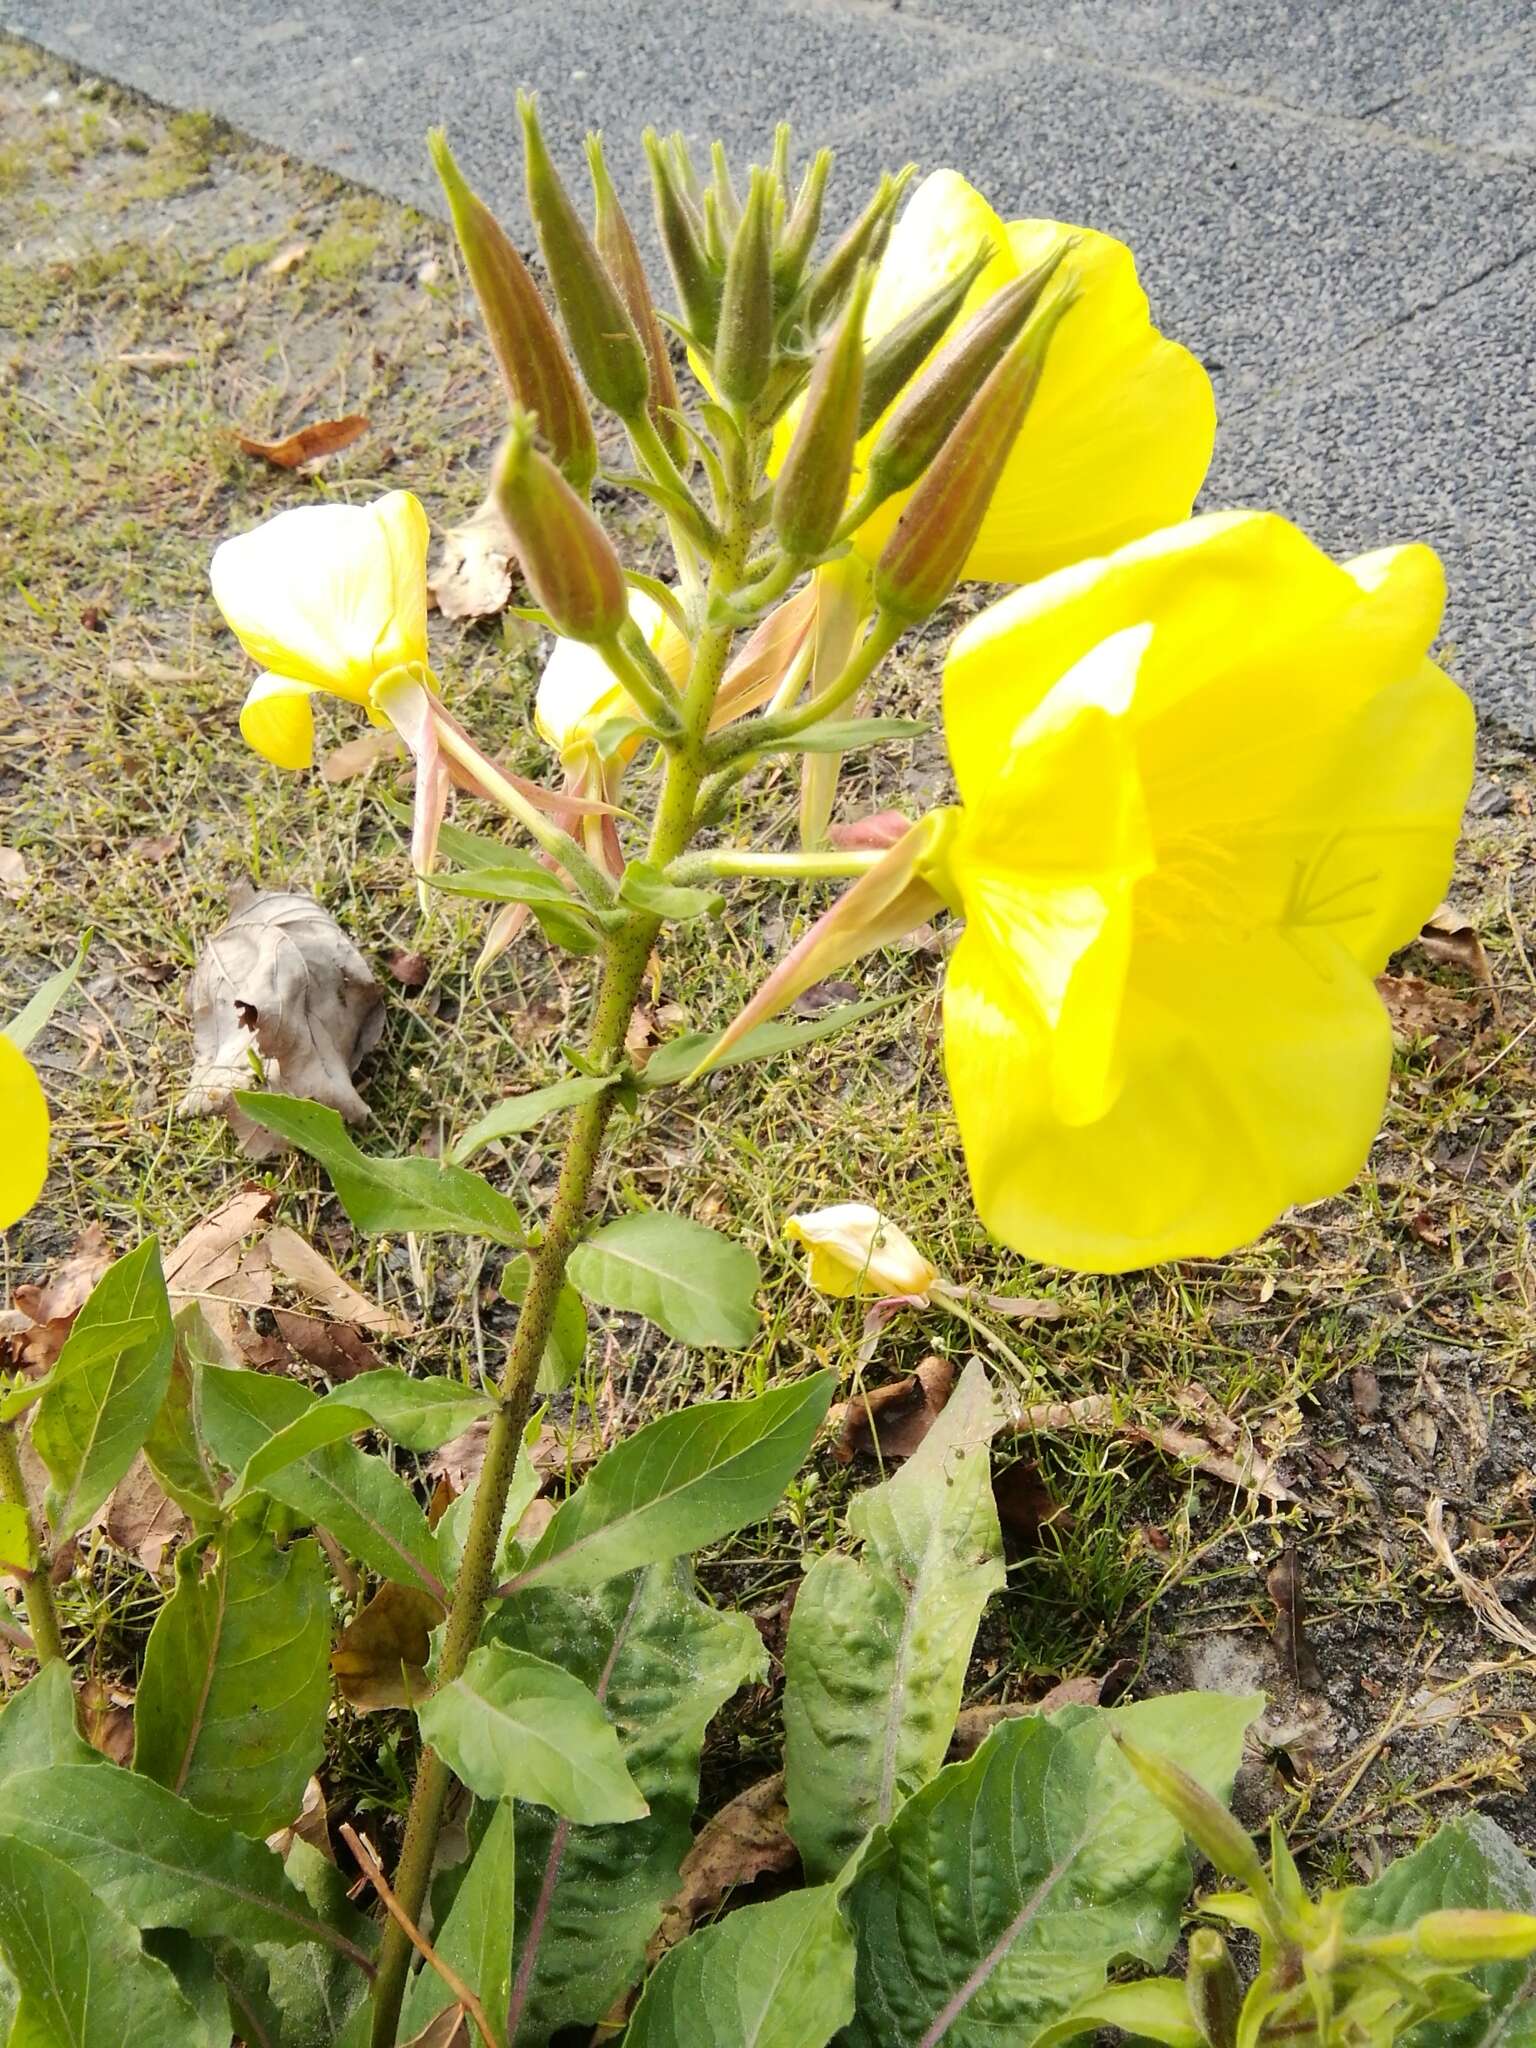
x=616 y=245
x=602 y=335
x=811 y=493
x=1204 y=1819
x=744 y=345
x=687 y=176
x=925 y=415
x=725 y=191
x=802 y=227
x=568 y=560
x=1212 y=1988
x=1468 y=1936
x=682 y=237
x=714 y=234
x=864 y=242
x=524 y=339
x=897 y=356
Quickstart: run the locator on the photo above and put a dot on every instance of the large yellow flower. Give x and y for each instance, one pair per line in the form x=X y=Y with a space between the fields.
x=24 y=1115
x=1118 y=436
x=325 y=597
x=1209 y=784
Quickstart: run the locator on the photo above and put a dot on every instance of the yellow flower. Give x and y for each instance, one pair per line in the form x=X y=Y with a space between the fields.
x=1209 y=784
x=325 y=597
x=855 y=1250
x=578 y=693
x=24 y=1115
x=1118 y=436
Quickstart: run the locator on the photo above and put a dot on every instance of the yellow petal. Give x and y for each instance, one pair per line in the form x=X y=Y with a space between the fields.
x=854 y=1250
x=278 y=721
x=330 y=595
x=24 y=1113
x=940 y=229
x=1251 y=1079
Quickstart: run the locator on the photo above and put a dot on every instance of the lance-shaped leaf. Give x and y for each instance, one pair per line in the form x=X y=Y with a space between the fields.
x=30 y=1019
x=844 y=736
x=519 y=1113
x=103 y=1396
x=690 y=1281
x=81 y=1969
x=365 y=1506
x=680 y=1057
x=566 y=1345
x=421 y=1414
x=878 y=1644
x=589 y=1898
x=161 y=1863
x=644 y=887
x=778 y=1975
x=473 y=1939
x=231 y=1705
x=679 y=1483
x=388 y=1195
x=515 y=1726
x=187 y=1470
x=1056 y=1861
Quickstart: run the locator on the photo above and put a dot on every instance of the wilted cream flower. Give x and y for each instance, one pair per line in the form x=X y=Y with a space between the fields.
x=855 y=1250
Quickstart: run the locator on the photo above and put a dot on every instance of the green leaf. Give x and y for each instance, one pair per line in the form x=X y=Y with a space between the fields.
x=388 y=1195
x=847 y=735
x=566 y=1345
x=514 y=1726
x=646 y=888
x=232 y=1703
x=679 y=1483
x=327 y=1422
x=1055 y=1862
x=1469 y=1862
x=521 y=1112
x=473 y=1937
x=421 y=1414
x=778 y=1975
x=18 y=1552
x=365 y=1506
x=193 y=1966
x=878 y=1645
x=81 y=1969
x=469 y=849
x=30 y=1019
x=676 y=1060
x=1152 y=2009
x=662 y=1663
x=174 y=1448
x=38 y=1725
x=320 y=1999
x=101 y=1402
x=693 y=1283
x=510 y=882
x=161 y=1863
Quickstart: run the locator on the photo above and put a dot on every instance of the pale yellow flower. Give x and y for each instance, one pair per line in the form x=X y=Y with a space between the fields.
x=24 y=1115
x=855 y=1250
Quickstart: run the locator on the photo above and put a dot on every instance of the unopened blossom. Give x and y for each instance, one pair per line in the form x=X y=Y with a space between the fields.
x=855 y=1250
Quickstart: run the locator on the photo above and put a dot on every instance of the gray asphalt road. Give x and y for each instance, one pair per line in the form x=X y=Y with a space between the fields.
x=1332 y=201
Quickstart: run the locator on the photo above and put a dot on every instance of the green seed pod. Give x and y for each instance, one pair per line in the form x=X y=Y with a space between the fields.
x=744 y=345
x=897 y=357
x=1469 y=1935
x=616 y=245
x=682 y=237
x=568 y=560
x=602 y=335
x=925 y=414
x=802 y=228
x=919 y=567
x=811 y=493
x=864 y=242
x=524 y=339
x=1212 y=1988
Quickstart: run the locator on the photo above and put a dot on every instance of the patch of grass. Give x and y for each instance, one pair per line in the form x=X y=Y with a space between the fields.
x=341 y=255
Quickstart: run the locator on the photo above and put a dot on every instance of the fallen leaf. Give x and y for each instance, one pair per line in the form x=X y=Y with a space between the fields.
x=338 y=1350
x=207 y=1259
x=157 y=848
x=286 y=259
x=1283 y=1584
x=457 y=1463
x=1422 y=1009
x=1419 y=1430
x=13 y=872
x=1025 y=1308
x=1245 y=1467
x=380 y=1660
x=306 y=444
x=473 y=577
x=744 y=1841
x=281 y=981
x=106 y=1720
x=1483 y=1601
x=1365 y=1392
x=1451 y=937
x=299 y=1263
x=44 y=1315
x=157 y=358
x=450 y=2029
x=892 y=1421
x=974 y=1724
x=533 y=1521
x=309 y=1825
x=141 y=1520
x=411 y=970
x=357 y=756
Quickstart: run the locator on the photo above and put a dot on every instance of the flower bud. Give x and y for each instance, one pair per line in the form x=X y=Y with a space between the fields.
x=923 y=558
x=726 y=198
x=925 y=416
x=1204 y=1819
x=682 y=237
x=744 y=344
x=863 y=243
x=1468 y=1936
x=802 y=227
x=1212 y=1988
x=855 y=1250
x=524 y=339
x=616 y=245
x=687 y=176
x=602 y=335
x=897 y=356
x=811 y=493
x=568 y=560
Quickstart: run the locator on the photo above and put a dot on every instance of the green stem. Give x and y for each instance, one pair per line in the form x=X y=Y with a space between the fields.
x=761 y=735
x=42 y=1615
x=633 y=664
x=816 y=866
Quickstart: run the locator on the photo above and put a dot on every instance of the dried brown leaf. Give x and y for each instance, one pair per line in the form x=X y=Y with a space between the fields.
x=744 y=1841
x=1283 y=1584
x=1025 y=1308
x=106 y=1720
x=309 y=1825
x=1483 y=1601
x=1450 y=937
x=1245 y=1467
x=451 y=2029
x=339 y=1350
x=141 y=1519
x=357 y=756
x=1422 y=1009
x=892 y=1421
x=156 y=847
x=473 y=577
x=208 y=1258
x=380 y=1660
x=1025 y=1504
x=33 y=1336
x=299 y=1263
x=14 y=875
x=974 y=1724
x=306 y=444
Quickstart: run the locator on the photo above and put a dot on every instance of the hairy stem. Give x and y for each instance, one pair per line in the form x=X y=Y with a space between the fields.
x=42 y=1615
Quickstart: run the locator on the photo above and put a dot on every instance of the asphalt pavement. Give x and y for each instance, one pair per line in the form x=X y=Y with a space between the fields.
x=1333 y=202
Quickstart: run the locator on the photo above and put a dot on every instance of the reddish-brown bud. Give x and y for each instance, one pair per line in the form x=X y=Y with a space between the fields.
x=568 y=560
x=619 y=250
x=811 y=493
x=899 y=354
x=744 y=344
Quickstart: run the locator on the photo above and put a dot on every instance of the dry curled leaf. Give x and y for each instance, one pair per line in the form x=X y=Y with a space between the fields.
x=306 y=444
x=974 y=1724
x=339 y=1350
x=207 y=1259
x=744 y=1841
x=106 y=1720
x=33 y=1333
x=13 y=872
x=1450 y=937
x=381 y=1658
x=450 y=2029
x=473 y=577
x=302 y=1266
x=1422 y=1009
x=283 y=982
x=1026 y=1505
x=156 y=847
x=141 y=1519
x=309 y=1825
x=890 y=1422
x=1244 y=1466
x=1483 y=1601
x=357 y=756
x=1283 y=1584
